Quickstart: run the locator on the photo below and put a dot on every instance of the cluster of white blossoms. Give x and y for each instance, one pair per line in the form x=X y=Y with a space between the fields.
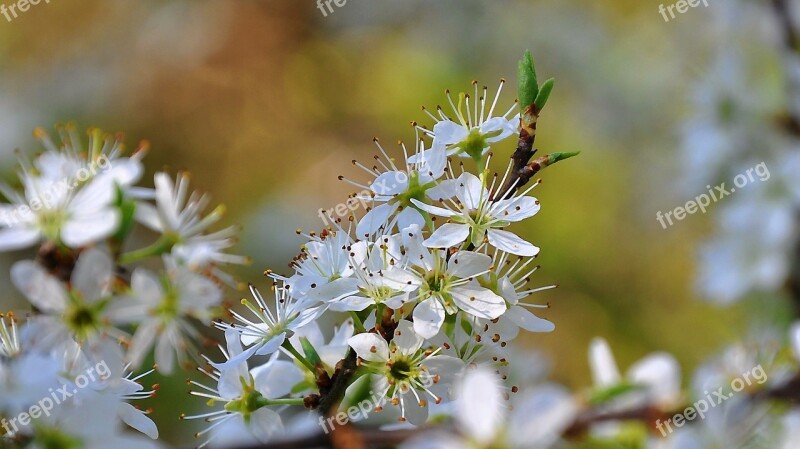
x=92 y=305
x=429 y=282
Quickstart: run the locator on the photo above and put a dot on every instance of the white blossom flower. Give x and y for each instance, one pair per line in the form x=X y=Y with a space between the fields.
x=162 y=309
x=378 y=277
x=403 y=371
x=49 y=211
x=323 y=268
x=474 y=128
x=476 y=218
x=69 y=192
x=656 y=379
x=508 y=279
x=178 y=217
x=80 y=310
x=271 y=330
x=246 y=396
x=445 y=284
x=395 y=187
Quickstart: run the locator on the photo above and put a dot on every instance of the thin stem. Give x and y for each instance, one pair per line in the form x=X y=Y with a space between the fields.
x=359 y=325
x=289 y=347
x=161 y=246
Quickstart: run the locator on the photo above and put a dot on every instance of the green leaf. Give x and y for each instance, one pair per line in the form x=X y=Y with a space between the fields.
x=613 y=392
x=528 y=87
x=310 y=352
x=555 y=157
x=544 y=93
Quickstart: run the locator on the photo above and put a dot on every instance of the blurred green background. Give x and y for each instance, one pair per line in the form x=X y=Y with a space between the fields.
x=266 y=102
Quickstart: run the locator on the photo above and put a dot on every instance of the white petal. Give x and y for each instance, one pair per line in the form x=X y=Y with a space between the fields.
x=516 y=209
x=448 y=133
x=146 y=287
x=370 y=347
x=167 y=207
x=428 y=318
x=542 y=416
x=93 y=197
x=390 y=183
x=126 y=171
x=42 y=290
x=272 y=345
x=406 y=339
x=409 y=216
x=661 y=374
x=165 y=353
x=497 y=124
x=604 y=368
x=447 y=235
x=478 y=301
x=415 y=414
x=435 y=210
x=137 y=419
x=511 y=243
x=147 y=215
x=239 y=359
x=464 y=264
x=400 y=279
x=470 y=191
x=85 y=228
x=312 y=332
x=93 y=275
x=351 y=303
x=307 y=316
x=18 y=237
x=481 y=411
x=523 y=318
x=444 y=190
x=374 y=220
x=266 y=424
x=142 y=342
x=276 y=378
x=431 y=163
x=335 y=290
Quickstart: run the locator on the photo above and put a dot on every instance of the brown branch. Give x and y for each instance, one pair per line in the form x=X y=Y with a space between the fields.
x=523 y=154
